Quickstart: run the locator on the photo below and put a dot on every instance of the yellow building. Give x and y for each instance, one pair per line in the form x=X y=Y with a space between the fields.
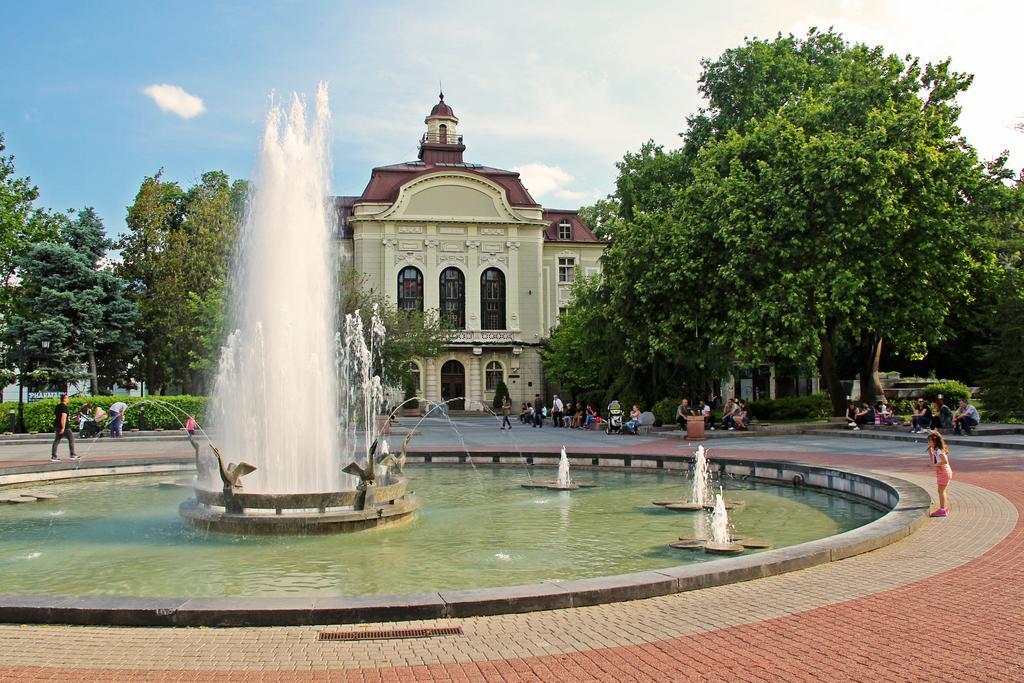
x=469 y=242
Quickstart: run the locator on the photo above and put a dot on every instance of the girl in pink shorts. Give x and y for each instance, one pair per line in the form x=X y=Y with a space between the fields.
x=938 y=451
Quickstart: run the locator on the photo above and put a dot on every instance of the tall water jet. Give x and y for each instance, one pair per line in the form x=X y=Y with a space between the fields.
x=701 y=487
x=295 y=404
x=720 y=521
x=275 y=399
x=564 y=480
x=721 y=538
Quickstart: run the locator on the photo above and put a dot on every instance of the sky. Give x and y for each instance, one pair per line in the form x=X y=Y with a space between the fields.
x=95 y=96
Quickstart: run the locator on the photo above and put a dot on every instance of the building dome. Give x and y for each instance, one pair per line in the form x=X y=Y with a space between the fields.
x=442 y=109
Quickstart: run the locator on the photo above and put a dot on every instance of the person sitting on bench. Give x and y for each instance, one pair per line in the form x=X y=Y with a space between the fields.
x=965 y=418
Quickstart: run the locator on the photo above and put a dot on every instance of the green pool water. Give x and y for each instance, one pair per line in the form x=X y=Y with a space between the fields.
x=477 y=528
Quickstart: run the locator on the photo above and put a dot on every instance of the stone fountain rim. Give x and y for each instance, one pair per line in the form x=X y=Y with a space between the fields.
x=910 y=505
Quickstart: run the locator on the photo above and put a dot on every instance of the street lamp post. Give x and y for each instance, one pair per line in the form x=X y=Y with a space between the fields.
x=21 y=387
x=45 y=344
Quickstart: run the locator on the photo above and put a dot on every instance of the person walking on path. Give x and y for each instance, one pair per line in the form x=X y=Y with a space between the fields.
x=538 y=411
x=938 y=451
x=506 y=408
x=62 y=428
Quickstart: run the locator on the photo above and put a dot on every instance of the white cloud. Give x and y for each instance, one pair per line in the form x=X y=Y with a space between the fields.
x=542 y=180
x=175 y=99
x=571 y=195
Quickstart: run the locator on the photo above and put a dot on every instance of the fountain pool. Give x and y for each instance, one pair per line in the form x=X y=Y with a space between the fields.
x=123 y=536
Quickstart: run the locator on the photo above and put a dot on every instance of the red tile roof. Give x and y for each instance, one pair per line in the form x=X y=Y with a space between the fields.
x=442 y=109
x=580 y=231
x=385 y=181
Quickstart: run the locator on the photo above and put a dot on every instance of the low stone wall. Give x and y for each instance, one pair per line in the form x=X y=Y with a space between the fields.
x=907 y=505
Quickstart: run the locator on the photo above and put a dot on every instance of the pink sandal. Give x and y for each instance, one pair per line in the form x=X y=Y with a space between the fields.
x=941 y=512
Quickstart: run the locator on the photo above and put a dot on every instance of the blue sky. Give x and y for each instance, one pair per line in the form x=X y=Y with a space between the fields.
x=558 y=89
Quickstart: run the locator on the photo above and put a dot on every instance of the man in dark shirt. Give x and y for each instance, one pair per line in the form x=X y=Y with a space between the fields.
x=538 y=411
x=62 y=428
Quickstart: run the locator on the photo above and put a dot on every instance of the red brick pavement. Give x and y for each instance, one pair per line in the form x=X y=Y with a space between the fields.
x=966 y=624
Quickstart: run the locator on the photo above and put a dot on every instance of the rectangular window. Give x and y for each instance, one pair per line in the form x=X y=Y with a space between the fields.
x=566 y=270
x=565 y=230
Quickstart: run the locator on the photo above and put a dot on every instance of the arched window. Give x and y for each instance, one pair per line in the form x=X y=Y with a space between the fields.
x=410 y=289
x=453 y=298
x=493 y=375
x=492 y=300
x=442 y=134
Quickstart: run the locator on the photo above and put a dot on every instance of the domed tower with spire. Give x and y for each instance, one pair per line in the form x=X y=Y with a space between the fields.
x=441 y=143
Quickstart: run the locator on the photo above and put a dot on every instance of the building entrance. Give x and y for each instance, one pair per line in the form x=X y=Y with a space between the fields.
x=453 y=384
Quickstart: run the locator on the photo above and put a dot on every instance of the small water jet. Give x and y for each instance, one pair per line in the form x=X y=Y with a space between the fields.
x=699 y=491
x=716 y=536
x=564 y=482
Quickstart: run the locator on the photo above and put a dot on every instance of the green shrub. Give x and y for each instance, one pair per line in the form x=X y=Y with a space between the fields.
x=813 y=407
x=163 y=412
x=500 y=392
x=902 y=406
x=951 y=390
x=665 y=410
x=409 y=392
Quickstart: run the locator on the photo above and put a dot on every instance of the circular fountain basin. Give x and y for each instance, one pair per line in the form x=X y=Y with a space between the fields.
x=112 y=550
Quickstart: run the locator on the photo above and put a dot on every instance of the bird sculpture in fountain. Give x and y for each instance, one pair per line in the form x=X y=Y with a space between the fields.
x=232 y=474
x=368 y=474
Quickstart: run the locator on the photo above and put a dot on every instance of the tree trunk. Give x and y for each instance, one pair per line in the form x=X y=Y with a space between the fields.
x=870 y=356
x=93 y=375
x=830 y=373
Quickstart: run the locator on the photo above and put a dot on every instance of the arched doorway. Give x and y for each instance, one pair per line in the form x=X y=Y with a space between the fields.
x=453 y=384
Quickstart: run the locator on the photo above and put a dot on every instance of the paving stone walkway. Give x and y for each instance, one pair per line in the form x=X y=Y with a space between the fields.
x=945 y=604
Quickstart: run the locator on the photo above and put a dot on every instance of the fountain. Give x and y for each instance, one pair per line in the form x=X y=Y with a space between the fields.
x=564 y=482
x=699 y=491
x=276 y=399
x=719 y=538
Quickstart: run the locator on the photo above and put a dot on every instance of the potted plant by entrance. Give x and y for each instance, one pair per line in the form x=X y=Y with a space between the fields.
x=411 y=405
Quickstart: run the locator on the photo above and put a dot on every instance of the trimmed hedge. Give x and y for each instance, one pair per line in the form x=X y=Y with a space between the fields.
x=813 y=407
x=161 y=412
x=951 y=390
x=665 y=410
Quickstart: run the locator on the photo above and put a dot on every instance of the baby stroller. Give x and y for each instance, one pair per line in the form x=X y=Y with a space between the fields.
x=614 y=418
x=93 y=427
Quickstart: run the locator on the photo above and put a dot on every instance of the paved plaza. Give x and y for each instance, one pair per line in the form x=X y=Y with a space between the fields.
x=945 y=604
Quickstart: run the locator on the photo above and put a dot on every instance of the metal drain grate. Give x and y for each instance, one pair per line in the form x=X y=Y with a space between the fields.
x=392 y=634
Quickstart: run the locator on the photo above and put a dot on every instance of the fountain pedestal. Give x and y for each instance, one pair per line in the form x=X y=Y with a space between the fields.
x=694 y=427
x=235 y=512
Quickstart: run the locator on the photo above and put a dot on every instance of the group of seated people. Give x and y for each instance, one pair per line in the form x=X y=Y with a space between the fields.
x=866 y=414
x=578 y=416
x=925 y=416
x=735 y=414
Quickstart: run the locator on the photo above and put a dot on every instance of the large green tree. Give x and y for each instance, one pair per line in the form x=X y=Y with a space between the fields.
x=176 y=256
x=824 y=195
x=22 y=225
x=69 y=298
